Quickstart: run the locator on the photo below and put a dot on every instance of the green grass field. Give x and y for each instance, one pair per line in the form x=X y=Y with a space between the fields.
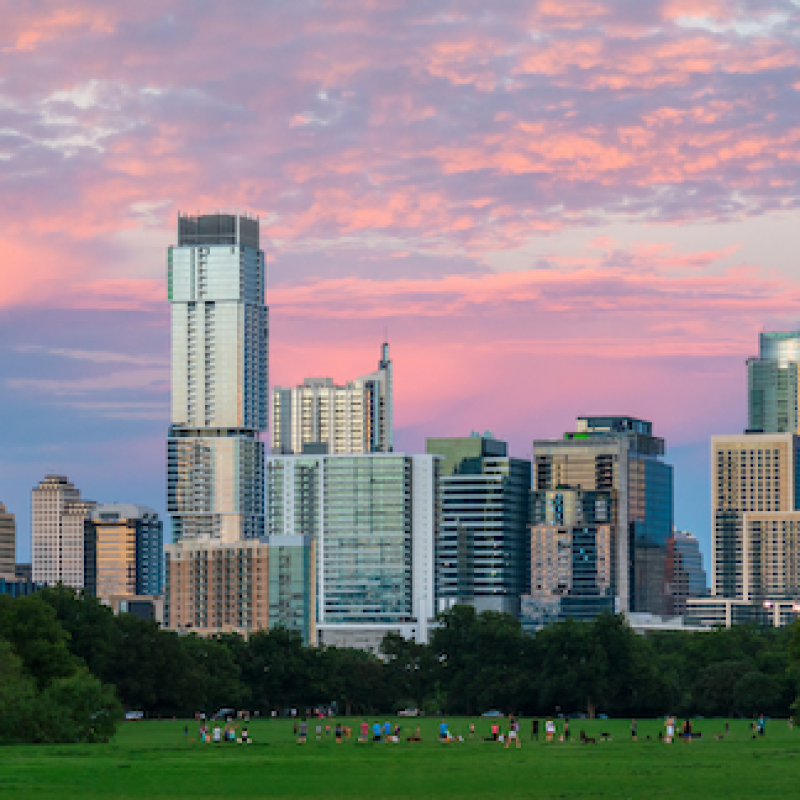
x=152 y=759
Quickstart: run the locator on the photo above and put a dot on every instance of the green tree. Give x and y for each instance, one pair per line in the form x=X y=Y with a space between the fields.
x=30 y=625
x=77 y=709
x=17 y=696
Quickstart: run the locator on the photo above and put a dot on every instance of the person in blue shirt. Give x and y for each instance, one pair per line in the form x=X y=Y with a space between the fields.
x=387 y=730
x=376 y=732
x=443 y=731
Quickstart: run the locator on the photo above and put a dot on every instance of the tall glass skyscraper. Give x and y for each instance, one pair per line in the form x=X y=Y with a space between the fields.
x=773 y=384
x=215 y=456
x=482 y=548
x=620 y=455
x=371 y=520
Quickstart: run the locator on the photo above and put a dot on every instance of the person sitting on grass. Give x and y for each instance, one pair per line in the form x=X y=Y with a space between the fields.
x=417 y=737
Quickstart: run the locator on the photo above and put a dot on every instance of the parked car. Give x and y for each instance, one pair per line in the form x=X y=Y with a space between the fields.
x=133 y=716
x=408 y=712
x=224 y=713
x=493 y=713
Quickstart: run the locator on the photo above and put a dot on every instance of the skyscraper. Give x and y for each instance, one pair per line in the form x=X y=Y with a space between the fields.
x=371 y=520
x=773 y=386
x=685 y=572
x=482 y=548
x=619 y=455
x=320 y=417
x=215 y=456
x=8 y=544
x=128 y=550
x=571 y=556
x=755 y=517
x=62 y=534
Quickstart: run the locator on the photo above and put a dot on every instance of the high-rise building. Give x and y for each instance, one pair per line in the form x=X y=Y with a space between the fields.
x=773 y=385
x=63 y=534
x=320 y=417
x=619 y=455
x=213 y=586
x=8 y=544
x=215 y=456
x=571 y=556
x=685 y=574
x=247 y=586
x=482 y=547
x=372 y=520
x=755 y=517
x=128 y=542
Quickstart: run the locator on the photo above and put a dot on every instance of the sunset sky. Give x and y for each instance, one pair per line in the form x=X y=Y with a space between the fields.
x=555 y=208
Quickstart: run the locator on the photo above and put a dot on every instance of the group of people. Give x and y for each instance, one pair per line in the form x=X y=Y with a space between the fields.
x=217 y=734
x=377 y=732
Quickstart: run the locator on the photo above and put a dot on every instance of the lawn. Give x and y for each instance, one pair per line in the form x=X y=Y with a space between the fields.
x=153 y=759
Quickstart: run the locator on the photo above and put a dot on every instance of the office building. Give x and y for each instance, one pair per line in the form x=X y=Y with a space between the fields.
x=755 y=517
x=215 y=456
x=63 y=535
x=620 y=456
x=685 y=574
x=571 y=556
x=8 y=544
x=128 y=542
x=482 y=547
x=320 y=417
x=371 y=518
x=773 y=388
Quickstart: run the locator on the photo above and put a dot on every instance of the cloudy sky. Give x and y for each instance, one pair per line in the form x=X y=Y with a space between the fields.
x=555 y=208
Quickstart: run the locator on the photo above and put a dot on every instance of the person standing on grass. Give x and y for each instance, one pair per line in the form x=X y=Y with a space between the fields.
x=535 y=730
x=443 y=731
x=566 y=730
x=387 y=730
x=472 y=730
x=303 y=731
x=217 y=734
x=376 y=731
x=633 y=729
x=364 y=731
x=513 y=733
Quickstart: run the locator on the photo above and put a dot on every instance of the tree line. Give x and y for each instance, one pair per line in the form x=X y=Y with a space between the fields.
x=68 y=667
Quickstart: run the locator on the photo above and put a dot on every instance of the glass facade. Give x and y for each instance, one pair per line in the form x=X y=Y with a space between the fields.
x=127 y=550
x=621 y=456
x=292 y=585
x=685 y=572
x=571 y=556
x=216 y=279
x=773 y=384
x=482 y=548
x=371 y=521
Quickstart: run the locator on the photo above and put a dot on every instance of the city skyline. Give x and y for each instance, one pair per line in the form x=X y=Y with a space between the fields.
x=553 y=216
